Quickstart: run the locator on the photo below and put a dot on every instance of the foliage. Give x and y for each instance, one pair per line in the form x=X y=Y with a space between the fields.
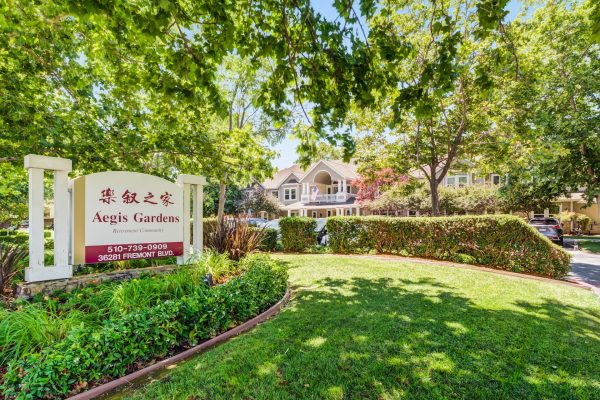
x=88 y=354
x=476 y=199
x=12 y=259
x=298 y=233
x=269 y=241
x=550 y=81
x=435 y=108
x=503 y=242
x=211 y=199
x=581 y=222
x=13 y=194
x=370 y=186
x=30 y=327
x=233 y=236
x=418 y=329
x=257 y=199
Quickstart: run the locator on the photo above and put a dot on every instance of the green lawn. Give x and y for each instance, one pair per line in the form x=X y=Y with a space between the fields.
x=589 y=243
x=359 y=328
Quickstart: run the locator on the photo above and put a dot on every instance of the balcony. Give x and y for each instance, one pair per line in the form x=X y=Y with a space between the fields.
x=326 y=198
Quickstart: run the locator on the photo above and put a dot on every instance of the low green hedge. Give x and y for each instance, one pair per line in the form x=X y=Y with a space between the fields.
x=298 y=233
x=89 y=354
x=499 y=241
x=269 y=241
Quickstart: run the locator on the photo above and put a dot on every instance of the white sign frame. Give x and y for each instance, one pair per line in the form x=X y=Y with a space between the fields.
x=64 y=218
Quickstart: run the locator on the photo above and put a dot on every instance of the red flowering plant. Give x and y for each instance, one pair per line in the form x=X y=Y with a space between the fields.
x=370 y=186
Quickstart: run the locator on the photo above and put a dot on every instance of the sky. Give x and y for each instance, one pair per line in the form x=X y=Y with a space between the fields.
x=287 y=148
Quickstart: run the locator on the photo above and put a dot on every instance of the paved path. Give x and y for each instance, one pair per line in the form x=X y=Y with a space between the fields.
x=585 y=267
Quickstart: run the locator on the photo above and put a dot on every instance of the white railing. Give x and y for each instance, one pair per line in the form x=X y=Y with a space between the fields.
x=326 y=198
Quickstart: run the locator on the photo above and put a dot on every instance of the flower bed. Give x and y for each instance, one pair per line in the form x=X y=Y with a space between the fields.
x=122 y=326
x=499 y=241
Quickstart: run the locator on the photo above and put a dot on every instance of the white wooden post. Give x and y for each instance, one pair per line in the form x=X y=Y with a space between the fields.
x=36 y=165
x=193 y=184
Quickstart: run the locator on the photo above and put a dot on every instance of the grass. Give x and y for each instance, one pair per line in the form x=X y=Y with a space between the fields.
x=589 y=243
x=363 y=328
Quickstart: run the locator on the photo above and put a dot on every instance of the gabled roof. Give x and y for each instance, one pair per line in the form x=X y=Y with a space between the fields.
x=282 y=175
x=346 y=170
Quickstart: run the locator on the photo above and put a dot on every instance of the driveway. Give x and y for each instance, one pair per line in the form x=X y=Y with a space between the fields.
x=585 y=266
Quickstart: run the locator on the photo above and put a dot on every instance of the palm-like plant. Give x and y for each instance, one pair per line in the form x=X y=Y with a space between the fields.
x=12 y=257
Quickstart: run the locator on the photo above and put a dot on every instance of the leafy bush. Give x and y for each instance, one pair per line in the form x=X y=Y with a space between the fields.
x=12 y=257
x=298 y=233
x=121 y=343
x=499 y=241
x=572 y=220
x=269 y=241
x=234 y=236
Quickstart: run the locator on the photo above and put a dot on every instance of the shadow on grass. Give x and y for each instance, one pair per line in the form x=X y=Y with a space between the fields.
x=391 y=338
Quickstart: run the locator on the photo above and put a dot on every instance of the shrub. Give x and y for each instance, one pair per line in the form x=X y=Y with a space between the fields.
x=269 y=241
x=499 y=241
x=234 y=236
x=87 y=355
x=12 y=257
x=298 y=233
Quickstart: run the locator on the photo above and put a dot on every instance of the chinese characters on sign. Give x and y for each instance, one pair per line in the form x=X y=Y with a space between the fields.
x=107 y=196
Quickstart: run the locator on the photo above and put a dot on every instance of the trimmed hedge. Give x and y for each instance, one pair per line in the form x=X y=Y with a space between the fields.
x=498 y=241
x=122 y=344
x=269 y=240
x=298 y=233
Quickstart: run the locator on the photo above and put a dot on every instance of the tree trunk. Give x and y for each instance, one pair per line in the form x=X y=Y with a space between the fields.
x=221 y=208
x=435 y=198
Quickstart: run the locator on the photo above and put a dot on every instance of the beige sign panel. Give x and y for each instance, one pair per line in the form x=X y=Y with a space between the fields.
x=125 y=216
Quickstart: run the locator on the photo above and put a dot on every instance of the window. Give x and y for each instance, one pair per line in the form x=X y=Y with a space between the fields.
x=314 y=214
x=348 y=189
x=495 y=179
x=413 y=213
x=275 y=193
x=457 y=180
x=289 y=194
x=329 y=213
x=348 y=212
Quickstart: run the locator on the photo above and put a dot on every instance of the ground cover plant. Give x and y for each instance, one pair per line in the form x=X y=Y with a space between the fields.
x=498 y=241
x=95 y=319
x=361 y=328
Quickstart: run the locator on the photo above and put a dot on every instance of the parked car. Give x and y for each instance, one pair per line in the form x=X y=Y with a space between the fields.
x=550 y=232
x=549 y=221
x=321 y=229
x=257 y=221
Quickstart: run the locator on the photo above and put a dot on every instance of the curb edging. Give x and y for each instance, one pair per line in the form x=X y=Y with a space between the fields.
x=246 y=326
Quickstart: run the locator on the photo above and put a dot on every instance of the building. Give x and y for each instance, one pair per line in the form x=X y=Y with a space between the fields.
x=326 y=189
x=323 y=190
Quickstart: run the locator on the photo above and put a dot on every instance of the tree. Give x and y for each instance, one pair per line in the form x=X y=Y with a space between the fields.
x=372 y=183
x=255 y=199
x=436 y=101
x=13 y=194
x=211 y=199
x=555 y=145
